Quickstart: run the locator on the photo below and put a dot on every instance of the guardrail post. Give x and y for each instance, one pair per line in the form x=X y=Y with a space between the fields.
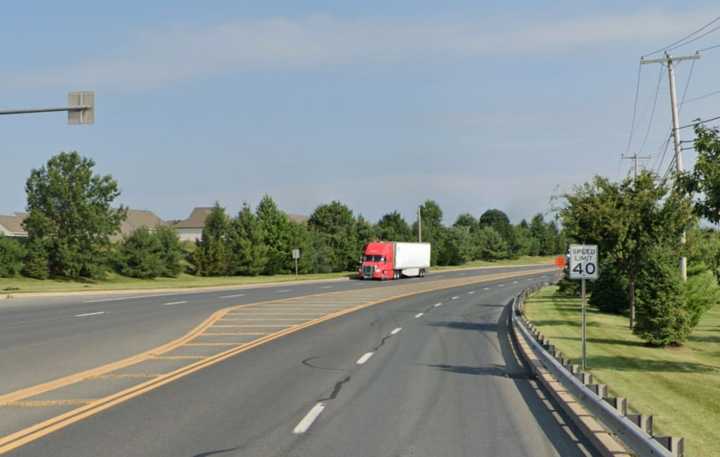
x=674 y=444
x=599 y=389
x=619 y=403
x=585 y=378
x=642 y=421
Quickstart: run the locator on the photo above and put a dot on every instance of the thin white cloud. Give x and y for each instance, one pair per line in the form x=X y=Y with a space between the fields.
x=156 y=58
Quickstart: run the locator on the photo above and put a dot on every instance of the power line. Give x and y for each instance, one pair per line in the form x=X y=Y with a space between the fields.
x=652 y=111
x=699 y=121
x=714 y=29
x=695 y=99
x=634 y=115
x=679 y=42
x=709 y=48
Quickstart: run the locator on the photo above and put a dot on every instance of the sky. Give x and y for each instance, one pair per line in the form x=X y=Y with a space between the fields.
x=380 y=105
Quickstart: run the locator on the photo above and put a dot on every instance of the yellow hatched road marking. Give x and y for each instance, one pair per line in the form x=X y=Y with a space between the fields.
x=44 y=403
x=38 y=430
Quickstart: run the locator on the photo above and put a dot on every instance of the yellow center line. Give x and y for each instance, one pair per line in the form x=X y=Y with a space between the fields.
x=45 y=403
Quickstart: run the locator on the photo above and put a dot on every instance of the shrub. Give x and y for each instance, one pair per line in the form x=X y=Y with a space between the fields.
x=171 y=251
x=610 y=291
x=11 y=257
x=35 y=264
x=140 y=255
x=661 y=306
x=701 y=292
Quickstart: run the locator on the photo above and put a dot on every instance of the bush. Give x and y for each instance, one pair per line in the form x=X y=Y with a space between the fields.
x=701 y=292
x=140 y=255
x=35 y=264
x=171 y=251
x=11 y=257
x=662 y=313
x=610 y=291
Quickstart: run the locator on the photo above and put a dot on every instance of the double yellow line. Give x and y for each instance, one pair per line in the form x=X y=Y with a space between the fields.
x=34 y=432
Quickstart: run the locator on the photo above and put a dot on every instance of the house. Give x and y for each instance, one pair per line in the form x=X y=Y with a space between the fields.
x=137 y=218
x=298 y=218
x=191 y=228
x=12 y=225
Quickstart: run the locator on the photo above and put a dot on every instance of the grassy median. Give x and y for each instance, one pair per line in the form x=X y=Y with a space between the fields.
x=680 y=386
x=118 y=282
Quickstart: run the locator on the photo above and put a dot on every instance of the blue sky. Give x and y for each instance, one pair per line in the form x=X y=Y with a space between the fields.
x=378 y=104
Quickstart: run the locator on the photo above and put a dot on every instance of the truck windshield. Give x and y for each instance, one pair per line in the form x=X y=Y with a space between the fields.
x=374 y=258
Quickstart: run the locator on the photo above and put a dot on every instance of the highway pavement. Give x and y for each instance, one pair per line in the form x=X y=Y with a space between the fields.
x=318 y=371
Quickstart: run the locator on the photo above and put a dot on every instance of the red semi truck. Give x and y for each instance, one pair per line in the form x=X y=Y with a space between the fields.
x=391 y=260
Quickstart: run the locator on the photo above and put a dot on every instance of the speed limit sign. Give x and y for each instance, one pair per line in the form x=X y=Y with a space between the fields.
x=583 y=261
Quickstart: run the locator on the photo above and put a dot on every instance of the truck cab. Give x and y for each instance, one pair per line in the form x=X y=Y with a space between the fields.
x=377 y=261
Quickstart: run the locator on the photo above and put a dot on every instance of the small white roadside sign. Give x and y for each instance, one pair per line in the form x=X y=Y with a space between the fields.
x=583 y=261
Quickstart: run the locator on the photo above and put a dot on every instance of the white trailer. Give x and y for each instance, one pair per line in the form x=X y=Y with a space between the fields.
x=411 y=259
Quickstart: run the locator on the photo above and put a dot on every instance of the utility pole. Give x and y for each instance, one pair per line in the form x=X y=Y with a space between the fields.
x=668 y=60
x=635 y=158
x=420 y=224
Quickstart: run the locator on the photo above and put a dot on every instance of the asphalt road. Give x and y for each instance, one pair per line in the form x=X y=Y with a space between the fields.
x=402 y=378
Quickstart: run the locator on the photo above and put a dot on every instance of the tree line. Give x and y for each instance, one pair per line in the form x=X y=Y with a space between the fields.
x=72 y=220
x=638 y=224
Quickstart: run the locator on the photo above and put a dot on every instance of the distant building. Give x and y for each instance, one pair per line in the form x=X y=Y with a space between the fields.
x=191 y=228
x=12 y=225
x=298 y=218
x=137 y=218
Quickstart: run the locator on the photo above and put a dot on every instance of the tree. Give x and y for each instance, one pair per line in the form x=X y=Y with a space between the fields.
x=249 y=253
x=432 y=228
x=456 y=246
x=628 y=221
x=212 y=256
x=171 y=251
x=466 y=220
x=141 y=255
x=275 y=226
x=392 y=227
x=336 y=222
x=11 y=257
x=71 y=214
x=704 y=180
x=493 y=246
x=499 y=221
x=35 y=264
x=662 y=314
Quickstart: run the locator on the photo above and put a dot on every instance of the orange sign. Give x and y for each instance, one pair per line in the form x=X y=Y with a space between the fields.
x=560 y=261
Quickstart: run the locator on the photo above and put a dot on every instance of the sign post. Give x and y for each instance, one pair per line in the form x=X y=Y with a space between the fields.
x=296 y=256
x=583 y=265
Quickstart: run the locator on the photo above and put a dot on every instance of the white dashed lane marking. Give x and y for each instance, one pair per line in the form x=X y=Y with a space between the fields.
x=309 y=418
x=364 y=358
x=233 y=296
x=437 y=305
x=396 y=331
x=171 y=303
x=90 y=314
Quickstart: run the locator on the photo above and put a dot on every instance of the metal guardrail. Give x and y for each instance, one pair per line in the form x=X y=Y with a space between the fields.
x=635 y=438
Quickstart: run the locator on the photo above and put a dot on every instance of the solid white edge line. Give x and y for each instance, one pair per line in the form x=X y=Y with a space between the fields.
x=364 y=358
x=90 y=314
x=309 y=418
x=175 y=303
x=396 y=331
x=418 y=315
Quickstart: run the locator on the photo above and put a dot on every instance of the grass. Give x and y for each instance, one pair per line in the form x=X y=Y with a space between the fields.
x=680 y=386
x=523 y=260
x=118 y=282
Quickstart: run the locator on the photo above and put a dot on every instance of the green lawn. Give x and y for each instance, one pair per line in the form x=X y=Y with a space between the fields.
x=117 y=282
x=524 y=260
x=679 y=386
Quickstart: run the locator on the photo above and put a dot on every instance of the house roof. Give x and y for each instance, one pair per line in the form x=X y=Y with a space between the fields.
x=298 y=218
x=196 y=220
x=13 y=224
x=137 y=218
